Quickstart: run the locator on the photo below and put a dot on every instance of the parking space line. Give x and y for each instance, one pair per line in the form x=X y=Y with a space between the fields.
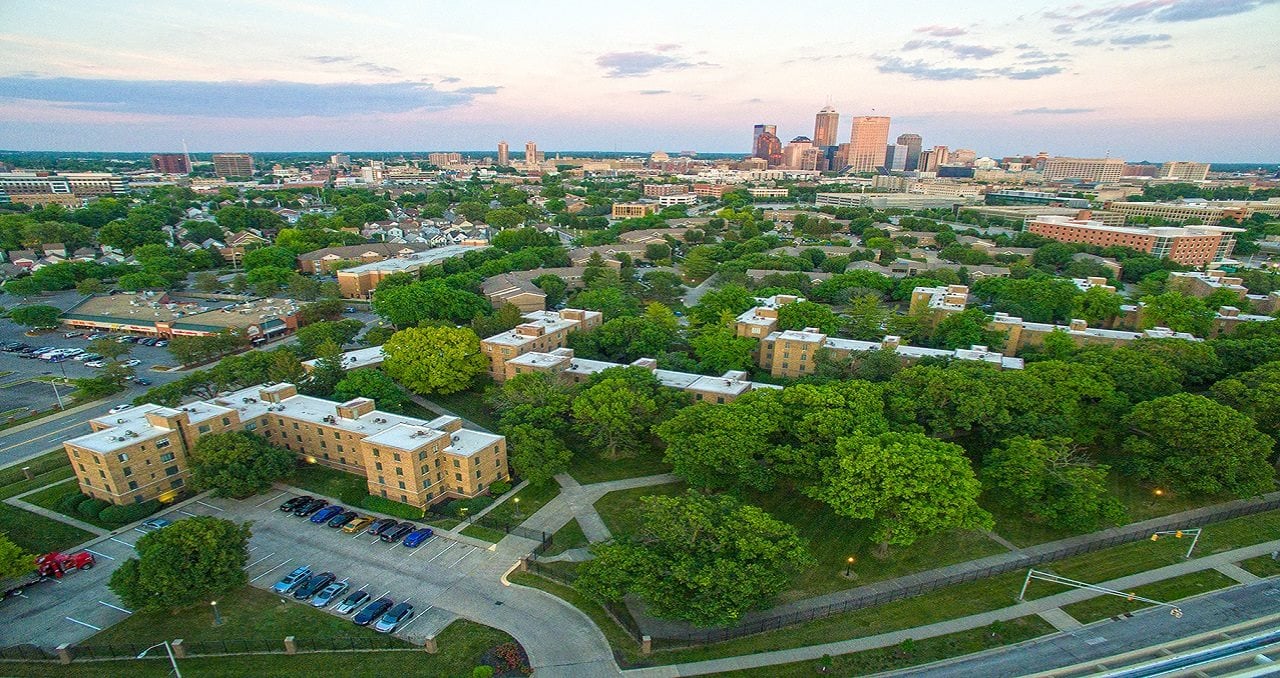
x=251 y=548
x=375 y=540
x=407 y=599
x=77 y=621
x=384 y=594
x=269 y=571
x=459 y=559
x=100 y=555
x=216 y=508
x=443 y=552
x=259 y=560
x=271 y=500
x=100 y=602
x=393 y=546
x=124 y=542
x=186 y=513
x=416 y=617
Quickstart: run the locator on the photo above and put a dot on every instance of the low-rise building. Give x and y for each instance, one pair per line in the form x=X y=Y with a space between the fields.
x=677 y=199
x=761 y=320
x=330 y=259
x=1191 y=245
x=1020 y=334
x=542 y=332
x=1204 y=283
x=359 y=282
x=633 y=210
x=508 y=288
x=938 y=301
x=793 y=353
x=581 y=256
x=144 y=452
x=768 y=193
x=158 y=314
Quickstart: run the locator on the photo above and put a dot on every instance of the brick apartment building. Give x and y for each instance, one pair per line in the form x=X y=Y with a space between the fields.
x=544 y=332
x=1190 y=245
x=143 y=453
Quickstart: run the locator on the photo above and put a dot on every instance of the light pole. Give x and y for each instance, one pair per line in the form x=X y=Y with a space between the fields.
x=217 y=616
x=172 y=660
x=56 y=394
x=848 y=566
x=464 y=514
x=516 y=501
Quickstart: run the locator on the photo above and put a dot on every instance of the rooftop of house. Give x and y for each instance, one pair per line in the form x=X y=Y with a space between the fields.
x=353 y=251
x=413 y=261
x=546 y=321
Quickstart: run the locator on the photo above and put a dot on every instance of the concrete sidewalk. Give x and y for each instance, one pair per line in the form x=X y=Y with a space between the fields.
x=949 y=626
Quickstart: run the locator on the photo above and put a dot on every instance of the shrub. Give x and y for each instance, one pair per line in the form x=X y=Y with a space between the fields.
x=499 y=488
x=482 y=672
x=454 y=507
x=91 y=508
x=71 y=501
x=123 y=515
x=392 y=508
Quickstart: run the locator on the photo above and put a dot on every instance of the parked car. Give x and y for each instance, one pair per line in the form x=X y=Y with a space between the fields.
x=349 y=309
x=313 y=585
x=119 y=408
x=95 y=363
x=372 y=611
x=417 y=537
x=155 y=524
x=124 y=338
x=342 y=518
x=398 y=532
x=310 y=507
x=380 y=525
x=292 y=580
x=358 y=524
x=87 y=356
x=329 y=593
x=132 y=362
x=71 y=335
x=162 y=343
x=95 y=336
x=324 y=514
x=141 y=381
x=393 y=618
x=351 y=602
x=294 y=503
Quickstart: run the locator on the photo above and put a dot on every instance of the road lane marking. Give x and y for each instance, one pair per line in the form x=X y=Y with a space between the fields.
x=271 y=500
x=269 y=571
x=259 y=560
x=114 y=607
x=77 y=621
x=100 y=555
x=118 y=541
x=46 y=435
x=443 y=552
x=210 y=506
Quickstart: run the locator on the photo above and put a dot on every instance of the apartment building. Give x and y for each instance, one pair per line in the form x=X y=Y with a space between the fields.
x=79 y=184
x=1206 y=212
x=656 y=190
x=1191 y=245
x=768 y=193
x=232 y=164
x=330 y=259
x=792 y=353
x=1092 y=170
x=711 y=190
x=507 y=288
x=543 y=332
x=1204 y=283
x=1020 y=334
x=359 y=282
x=938 y=301
x=633 y=210
x=1184 y=170
x=677 y=199
x=144 y=452
x=761 y=320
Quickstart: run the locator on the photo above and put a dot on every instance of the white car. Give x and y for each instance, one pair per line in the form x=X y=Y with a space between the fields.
x=134 y=362
x=86 y=356
x=95 y=363
x=119 y=408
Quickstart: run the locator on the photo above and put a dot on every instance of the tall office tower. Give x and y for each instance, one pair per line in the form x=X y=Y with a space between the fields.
x=530 y=153
x=768 y=148
x=761 y=129
x=340 y=160
x=800 y=154
x=826 y=127
x=170 y=163
x=1184 y=170
x=895 y=158
x=914 y=143
x=933 y=158
x=233 y=164
x=504 y=154
x=867 y=143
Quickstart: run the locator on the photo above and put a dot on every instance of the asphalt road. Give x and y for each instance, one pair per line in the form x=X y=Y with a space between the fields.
x=1104 y=639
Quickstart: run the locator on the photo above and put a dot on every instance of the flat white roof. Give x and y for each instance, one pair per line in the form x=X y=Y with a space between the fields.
x=361 y=357
x=415 y=260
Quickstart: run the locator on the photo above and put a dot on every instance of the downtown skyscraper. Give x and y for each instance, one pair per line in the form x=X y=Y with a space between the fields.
x=868 y=138
x=826 y=127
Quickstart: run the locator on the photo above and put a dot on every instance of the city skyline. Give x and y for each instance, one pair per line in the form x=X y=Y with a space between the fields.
x=1084 y=80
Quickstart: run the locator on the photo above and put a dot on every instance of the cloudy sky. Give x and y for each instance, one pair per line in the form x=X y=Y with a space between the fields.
x=1140 y=79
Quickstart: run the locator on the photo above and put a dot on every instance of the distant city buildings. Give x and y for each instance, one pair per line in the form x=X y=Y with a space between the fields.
x=826 y=127
x=766 y=146
x=1190 y=245
x=171 y=163
x=531 y=153
x=1184 y=171
x=1092 y=170
x=868 y=138
x=914 y=143
x=233 y=164
x=504 y=154
x=444 y=159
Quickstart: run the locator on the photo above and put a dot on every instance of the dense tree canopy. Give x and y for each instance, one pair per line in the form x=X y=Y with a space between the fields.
x=187 y=562
x=434 y=359
x=1046 y=480
x=237 y=464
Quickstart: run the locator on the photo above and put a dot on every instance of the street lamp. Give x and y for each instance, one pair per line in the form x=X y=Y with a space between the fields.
x=516 y=500
x=848 y=566
x=172 y=660
x=464 y=514
x=217 y=616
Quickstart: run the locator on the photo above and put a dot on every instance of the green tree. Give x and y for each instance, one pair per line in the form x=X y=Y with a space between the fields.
x=38 y=316
x=536 y=454
x=907 y=484
x=1178 y=312
x=965 y=329
x=704 y=559
x=719 y=349
x=328 y=370
x=285 y=368
x=799 y=315
x=536 y=399
x=195 y=559
x=1137 y=374
x=268 y=281
x=1097 y=306
x=1189 y=443
x=657 y=251
x=370 y=383
x=624 y=339
x=279 y=257
x=14 y=560
x=90 y=286
x=434 y=359
x=733 y=299
x=341 y=332
x=237 y=464
x=1255 y=393
x=611 y=301
x=553 y=286
x=1047 y=480
x=504 y=318
x=615 y=417
x=716 y=447
x=207 y=281
x=866 y=319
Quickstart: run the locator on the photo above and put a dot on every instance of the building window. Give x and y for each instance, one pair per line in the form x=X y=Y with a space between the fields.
x=123 y=456
x=133 y=484
x=457 y=476
x=375 y=451
x=456 y=464
x=437 y=462
x=137 y=499
x=295 y=426
x=203 y=428
x=322 y=444
x=171 y=471
x=226 y=421
x=377 y=465
x=166 y=457
x=102 y=474
x=177 y=482
x=395 y=456
x=163 y=443
x=298 y=437
x=401 y=483
x=340 y=449
x=477 y=473
x=497 y=463
x=399 y=471
x=127 y=471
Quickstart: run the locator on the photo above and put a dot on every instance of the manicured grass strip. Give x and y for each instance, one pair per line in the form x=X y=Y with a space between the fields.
x=912 y=652
x=619 y=509
x=462 y=646
x=589 y=467
x=568 y=537
x=1263 y=566
x=617 y=636
x=36 y=533
x=56 y=475
x=41 y=464
x=532 y=498
x=1168 y=590
x=1237 y=532
x=486 y=533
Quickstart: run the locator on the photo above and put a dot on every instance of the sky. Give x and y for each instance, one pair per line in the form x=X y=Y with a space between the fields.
x=1139 y=79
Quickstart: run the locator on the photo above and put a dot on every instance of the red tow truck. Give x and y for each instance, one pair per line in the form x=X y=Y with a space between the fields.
x=48 y=566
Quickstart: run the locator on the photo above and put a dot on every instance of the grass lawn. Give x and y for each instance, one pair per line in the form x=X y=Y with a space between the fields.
x=467 y=404
x=50 y=477
x=914 y=652
x=1237 y=532
x=51 y=498
x=568 y=537
x=832 y=540
x=44 y=463
x=1142 y=502
x=1014 y=526
x=36 y=533
x=532 y=498
x=618 y=637
x=349 y=489
x=1168 y=590
x=486 y=533
x=589 y=467
x=1263 y=566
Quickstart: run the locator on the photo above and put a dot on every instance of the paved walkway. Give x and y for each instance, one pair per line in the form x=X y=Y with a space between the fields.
x=54 y=515
x=577 y=501
x=1001 y=540
x=1060 y=620
x=942 y=628
x=1238 y=573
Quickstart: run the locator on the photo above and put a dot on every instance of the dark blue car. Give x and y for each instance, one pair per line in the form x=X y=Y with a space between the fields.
x=416 y=537
x=372 y=611
x=326 y=513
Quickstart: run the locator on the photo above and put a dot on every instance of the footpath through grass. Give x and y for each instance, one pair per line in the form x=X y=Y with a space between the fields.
x=589 y=467
x=568 y=537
